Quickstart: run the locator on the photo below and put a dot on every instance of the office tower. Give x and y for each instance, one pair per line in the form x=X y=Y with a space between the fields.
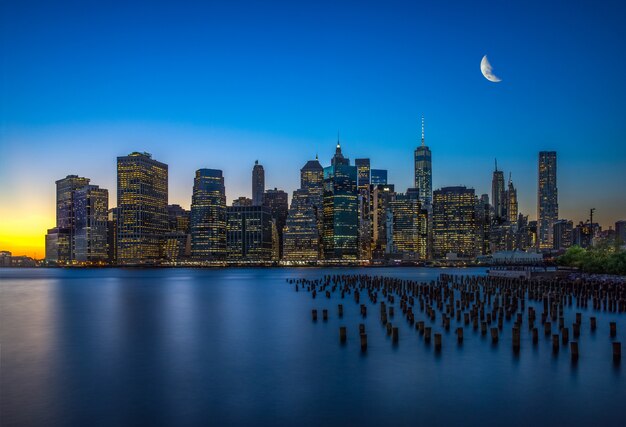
x=365 y=223
x=620 y=232
x=208 y=216
x=312 y=177
x=498 y=195
x=58 y=245
x=582 y=234
x=112 y=235
x=511 y=203
x=178 y=218
x=381 y=197
x=258 y=184
x=177 y=240
x=547 y=199
x=248 y=233
x=378 y=177
x=363 y=173
x=454 y=222
x=408 y=224
x=483 y=224
x=301 y=233
x=91 y=206
x=562 y=232
x=340 y=209
x=424 y=172
x=242 y=201
x=63 y=233
x=142 y=190
x=276 y=201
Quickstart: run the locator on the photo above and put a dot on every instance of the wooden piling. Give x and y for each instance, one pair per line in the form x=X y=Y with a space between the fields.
x=394 y=334
x=574 y=350
x=437 y=342
x=314 y=314
x=555 y=343
x=363 y=341
x=494 y=335
x=613 y=328
x=325 y=314
x=617 y=351
x=342 y=334
x=340 y=310
x=459 y=335
x=592 y=321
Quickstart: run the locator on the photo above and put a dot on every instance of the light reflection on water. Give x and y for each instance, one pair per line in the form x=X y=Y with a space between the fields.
x=220 y=347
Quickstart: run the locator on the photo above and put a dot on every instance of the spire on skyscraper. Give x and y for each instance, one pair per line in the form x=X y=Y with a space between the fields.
x=423 y=131
x=496 y=164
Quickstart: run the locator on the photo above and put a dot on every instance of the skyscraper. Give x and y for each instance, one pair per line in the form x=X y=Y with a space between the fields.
x=424 y=172
x=278 y=205
x=363 y=173
x=142 y=190
x=454 y=222
x=498 y=195
x=301 y=233
x=340 y=207
x=408 y=227
x=547 y=199
x=91 y=205
x=258 y=184
x=249 y=233
x=208 y=216
x=378 y=177
x=563 y=234
x=620 y=232
x=65 y=228
x=512 y=205
x=381 y=197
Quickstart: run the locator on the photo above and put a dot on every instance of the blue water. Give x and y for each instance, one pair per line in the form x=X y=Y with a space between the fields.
x=114 y=347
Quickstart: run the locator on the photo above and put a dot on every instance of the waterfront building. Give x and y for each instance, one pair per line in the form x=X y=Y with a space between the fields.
x=248 y=234
x=208 y=216
x=483 y=225
x=408 y=223
x=381 y=196
x=277 y=203
x=511 y=204
x=258 y=184
x=498 y=195
x=363 y=173
x=142 y=191
x=312 y=178
x=301 y=237
x=340 y=209
x=378 y=177
x=112 y=235
x=454 y=222
x=547 y=199
x=65 y=218
x=242 y=201
x=177 y=241
x=91 y=206
x=178 y=218
x=563 y=230
x=424 y=172
x=58 y=245
x=620 y=232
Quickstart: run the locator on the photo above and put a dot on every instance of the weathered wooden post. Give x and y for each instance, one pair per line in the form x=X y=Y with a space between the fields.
x=516 y=339
x=394 y=334
x=459 y=335
x=342 y=334
x=535 y=335
x=617 y=351
x=565 y=335
x=325 y=315
x=340 y=309
x=363 y=341
x=613 y=328
x=555 y=343
x=427 y=335
x=592 y=321
x=437 y=342
x=314 y=314
x=574 y=350
x=494 y=335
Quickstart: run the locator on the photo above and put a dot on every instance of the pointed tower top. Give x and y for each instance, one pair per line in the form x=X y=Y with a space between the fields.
x=256 y=162
x=316 y=158
x=496 y=165
x=423 y=130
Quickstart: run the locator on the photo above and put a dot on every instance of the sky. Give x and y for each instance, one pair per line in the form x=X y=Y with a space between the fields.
x=222 y=84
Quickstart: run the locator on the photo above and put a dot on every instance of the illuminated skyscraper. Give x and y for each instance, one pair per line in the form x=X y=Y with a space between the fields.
x=208 y=216
x=249 y=233
x=381 y=197
x=454 y=222
x=340 y=207
x=547 y=199
x=242 y=201
x=363 y=173
x=483 y=224
x=408 y=226
x=65 y=228
x=258 y=184
x=301 y=234
x=620 y=232
x=378 y=177
x=562 y=232
x=142 y=190
x=512 y=206
x=91 y=205
x=177 y=241
x=277 y=202
x=498 y=197
x=424 y=172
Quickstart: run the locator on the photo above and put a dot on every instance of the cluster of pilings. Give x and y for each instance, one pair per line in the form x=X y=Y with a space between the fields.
x=477 y=302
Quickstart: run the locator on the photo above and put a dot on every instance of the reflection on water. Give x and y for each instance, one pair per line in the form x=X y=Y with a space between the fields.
x=237 y=347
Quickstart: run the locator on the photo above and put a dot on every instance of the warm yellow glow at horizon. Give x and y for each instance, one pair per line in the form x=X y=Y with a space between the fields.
x=24 y=234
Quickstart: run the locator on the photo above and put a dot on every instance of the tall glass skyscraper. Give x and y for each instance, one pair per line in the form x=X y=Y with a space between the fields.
x=91 y=206
x=409 y=222
x=208 y=216
x=301 y=233
x=378 y=177
x=142 y=191
x=249 y=233
x=454 y=222
x=547 y=199
x=498 y=195
x=424 y=172
x=341 y=220
x=363 y=173
x=258 y=184
x=277 y=203
x=65 y=228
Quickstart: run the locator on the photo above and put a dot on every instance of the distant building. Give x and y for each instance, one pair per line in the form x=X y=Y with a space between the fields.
x=177 y=240
x=363 y=173
x=378 y=177
x=483 y=225
x=248 y=233
x=65 y=189
x=409 y=223
x=277 y=202
x=58 y=245
x=454 y=222
x=301 y=237
x=547 y=199
x=498 y=195
x=112 y=235
x=242 y=201
x=208 y=216
x=620 y=232
x=258 y=184
x=312 y=178
x=340 y=209
x=563 y=230
x=582 y=234
x=142 y=191
x=91 y=206
x=423 y=172
x=511 y=204
x=381 y=197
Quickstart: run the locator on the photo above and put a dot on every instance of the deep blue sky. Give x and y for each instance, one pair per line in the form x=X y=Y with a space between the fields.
x=221 y=84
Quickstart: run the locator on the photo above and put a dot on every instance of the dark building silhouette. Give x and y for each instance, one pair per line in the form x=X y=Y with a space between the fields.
x=258 y=184
x=277 y=202
x=547 y=199
x=249 y=233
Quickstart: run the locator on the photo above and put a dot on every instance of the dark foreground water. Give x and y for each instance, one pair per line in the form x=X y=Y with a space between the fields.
x=117 y=347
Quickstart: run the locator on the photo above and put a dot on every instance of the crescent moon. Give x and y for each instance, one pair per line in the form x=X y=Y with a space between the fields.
x=485 y=68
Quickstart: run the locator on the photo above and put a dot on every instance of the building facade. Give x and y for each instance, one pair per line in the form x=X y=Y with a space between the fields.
x=409 y=222
x=363 y=173
x=258 y=184
x=378 y=177
x=248 y=234
x=277 y=203
x=563 y=234
x=424 y=172
x=454 y=222
x=91 y=206
x=301 y=235
x=208 y=216
x=547 y=199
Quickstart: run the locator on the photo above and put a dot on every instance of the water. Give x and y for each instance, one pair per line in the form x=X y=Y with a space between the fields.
x=116 y=347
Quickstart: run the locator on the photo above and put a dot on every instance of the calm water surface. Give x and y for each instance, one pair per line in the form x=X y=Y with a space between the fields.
x=116 y=347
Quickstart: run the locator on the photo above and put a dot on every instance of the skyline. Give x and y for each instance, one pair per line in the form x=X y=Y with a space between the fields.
x=197 y=93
